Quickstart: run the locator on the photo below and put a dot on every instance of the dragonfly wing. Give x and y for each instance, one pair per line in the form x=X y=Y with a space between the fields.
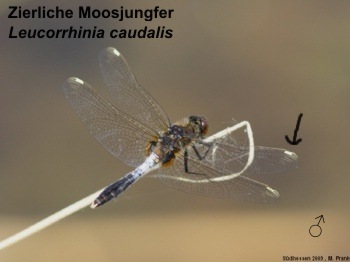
x=233 y=156
x=269 y=160
x=202 y=178
x=128 y=94
x=120 y=134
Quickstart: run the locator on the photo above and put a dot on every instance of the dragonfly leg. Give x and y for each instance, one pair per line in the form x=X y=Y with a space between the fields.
x=208 y=145
x=186 y=165
x=186 y=161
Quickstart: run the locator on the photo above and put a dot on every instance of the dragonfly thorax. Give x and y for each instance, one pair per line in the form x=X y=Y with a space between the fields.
x=178 y=136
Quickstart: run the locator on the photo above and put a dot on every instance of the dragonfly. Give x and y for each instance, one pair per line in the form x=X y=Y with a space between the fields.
x=136 y=130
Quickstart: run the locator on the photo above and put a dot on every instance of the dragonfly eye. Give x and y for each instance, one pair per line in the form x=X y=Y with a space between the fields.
x=204 y=125
x=201 y=122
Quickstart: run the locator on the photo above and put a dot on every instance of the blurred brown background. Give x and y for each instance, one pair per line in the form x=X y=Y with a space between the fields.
x=262 y=61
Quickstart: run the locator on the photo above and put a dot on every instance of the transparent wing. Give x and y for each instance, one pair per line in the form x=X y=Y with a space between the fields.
x=233 y=156
x=120 y=134
x=201 y=180
x=214 y=174
x=129 y=96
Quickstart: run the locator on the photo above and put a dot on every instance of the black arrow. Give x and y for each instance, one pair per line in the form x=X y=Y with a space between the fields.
x=295 y=140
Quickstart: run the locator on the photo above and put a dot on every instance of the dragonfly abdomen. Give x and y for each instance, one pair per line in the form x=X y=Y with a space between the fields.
x=119 y=186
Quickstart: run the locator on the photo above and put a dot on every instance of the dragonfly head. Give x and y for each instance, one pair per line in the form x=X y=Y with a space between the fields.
x=199 y=124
